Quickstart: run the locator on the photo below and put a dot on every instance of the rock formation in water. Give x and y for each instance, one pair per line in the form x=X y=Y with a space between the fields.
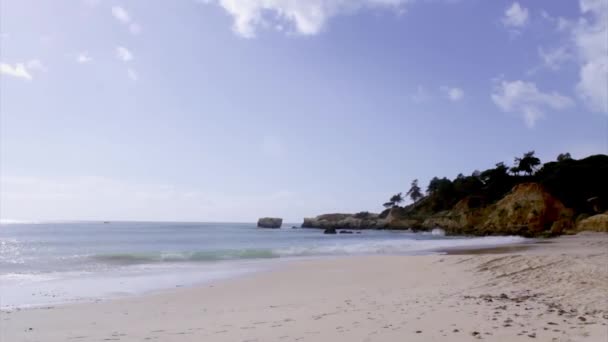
x=270 y=222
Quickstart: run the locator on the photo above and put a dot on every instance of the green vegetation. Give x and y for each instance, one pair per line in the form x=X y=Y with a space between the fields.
x=527 y=164
x=581 y=185
x=394 y=201
x=415 y=193
x=363 y=215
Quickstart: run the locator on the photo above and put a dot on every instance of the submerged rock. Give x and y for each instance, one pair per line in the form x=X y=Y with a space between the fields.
x=345 y=232
x=329 y=231
x=270 y=222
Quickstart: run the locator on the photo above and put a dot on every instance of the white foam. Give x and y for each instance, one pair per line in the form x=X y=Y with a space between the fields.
x=35 y=290
x=394 y=246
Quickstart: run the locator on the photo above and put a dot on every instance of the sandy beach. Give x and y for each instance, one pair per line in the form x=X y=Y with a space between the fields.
x=549 y=291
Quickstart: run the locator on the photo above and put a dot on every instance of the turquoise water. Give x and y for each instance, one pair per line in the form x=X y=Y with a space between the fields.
x=46 y=263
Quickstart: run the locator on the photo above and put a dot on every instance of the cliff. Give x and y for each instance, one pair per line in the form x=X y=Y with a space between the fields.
x=528 y=210
x=529 y=198
x=597 y=223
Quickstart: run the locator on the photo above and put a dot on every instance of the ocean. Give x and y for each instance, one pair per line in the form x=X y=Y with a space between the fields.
x=50 y=263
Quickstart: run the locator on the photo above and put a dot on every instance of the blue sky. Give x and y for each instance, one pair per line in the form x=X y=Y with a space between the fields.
x=227 y=110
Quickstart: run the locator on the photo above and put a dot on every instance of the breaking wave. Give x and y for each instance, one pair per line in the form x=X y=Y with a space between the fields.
x=338 y=248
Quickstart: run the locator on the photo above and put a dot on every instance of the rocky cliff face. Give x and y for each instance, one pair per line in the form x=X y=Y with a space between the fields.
x=349 y=221
x=597 y=223
x=464 y=218
x=528 y=210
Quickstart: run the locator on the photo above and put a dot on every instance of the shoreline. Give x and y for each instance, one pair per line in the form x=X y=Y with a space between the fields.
x=30 y=290
x=547 y=291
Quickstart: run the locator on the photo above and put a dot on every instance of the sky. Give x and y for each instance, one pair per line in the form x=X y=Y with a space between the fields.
x=230 y=110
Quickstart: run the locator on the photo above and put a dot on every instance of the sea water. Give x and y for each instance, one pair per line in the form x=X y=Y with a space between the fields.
x=61 y=262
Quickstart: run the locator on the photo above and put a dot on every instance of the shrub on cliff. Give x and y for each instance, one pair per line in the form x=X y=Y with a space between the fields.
x=580 y=184
x=576 y=182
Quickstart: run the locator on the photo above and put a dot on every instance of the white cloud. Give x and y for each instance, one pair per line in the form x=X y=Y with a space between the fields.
x=554 y=58
x=307 y=17
x=19 y=70
x=587 y=45
x=421 y=95
x=454 y=94
x=121 y=14
x=132 y=75
x=515 y=16
x=83 y=58
x=525 y=98
x=124 y=54
x=591 y=41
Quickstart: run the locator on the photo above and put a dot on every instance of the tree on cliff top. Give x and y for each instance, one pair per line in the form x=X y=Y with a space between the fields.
x=415 y=193
x=394 y=201
x=397 y=199
x=563 y=157
x=527 y=164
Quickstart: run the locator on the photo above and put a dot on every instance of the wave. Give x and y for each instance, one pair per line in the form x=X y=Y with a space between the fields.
x=388 y=246
x=160 y=257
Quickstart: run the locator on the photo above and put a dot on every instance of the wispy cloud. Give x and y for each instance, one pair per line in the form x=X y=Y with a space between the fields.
x=586 y=44
x=18 y=70
x=453 y=93
x=515 y=19
x=306 y=17
x=590 y=39
x=526 y=99
x=123 y=54
x=123 y=16
x=554 y=58
x=23 y=70
x=83 y=58
x=515 y=16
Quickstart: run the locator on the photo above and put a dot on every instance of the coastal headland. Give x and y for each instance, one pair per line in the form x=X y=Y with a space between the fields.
x=560 y=197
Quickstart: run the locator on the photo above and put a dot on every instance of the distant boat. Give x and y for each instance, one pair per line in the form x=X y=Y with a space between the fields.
x=106 y=222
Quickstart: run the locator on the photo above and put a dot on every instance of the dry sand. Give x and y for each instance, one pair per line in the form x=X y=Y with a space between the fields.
x=550 y=292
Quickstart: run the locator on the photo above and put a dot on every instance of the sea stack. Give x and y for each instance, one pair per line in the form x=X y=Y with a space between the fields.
x=270 y=222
